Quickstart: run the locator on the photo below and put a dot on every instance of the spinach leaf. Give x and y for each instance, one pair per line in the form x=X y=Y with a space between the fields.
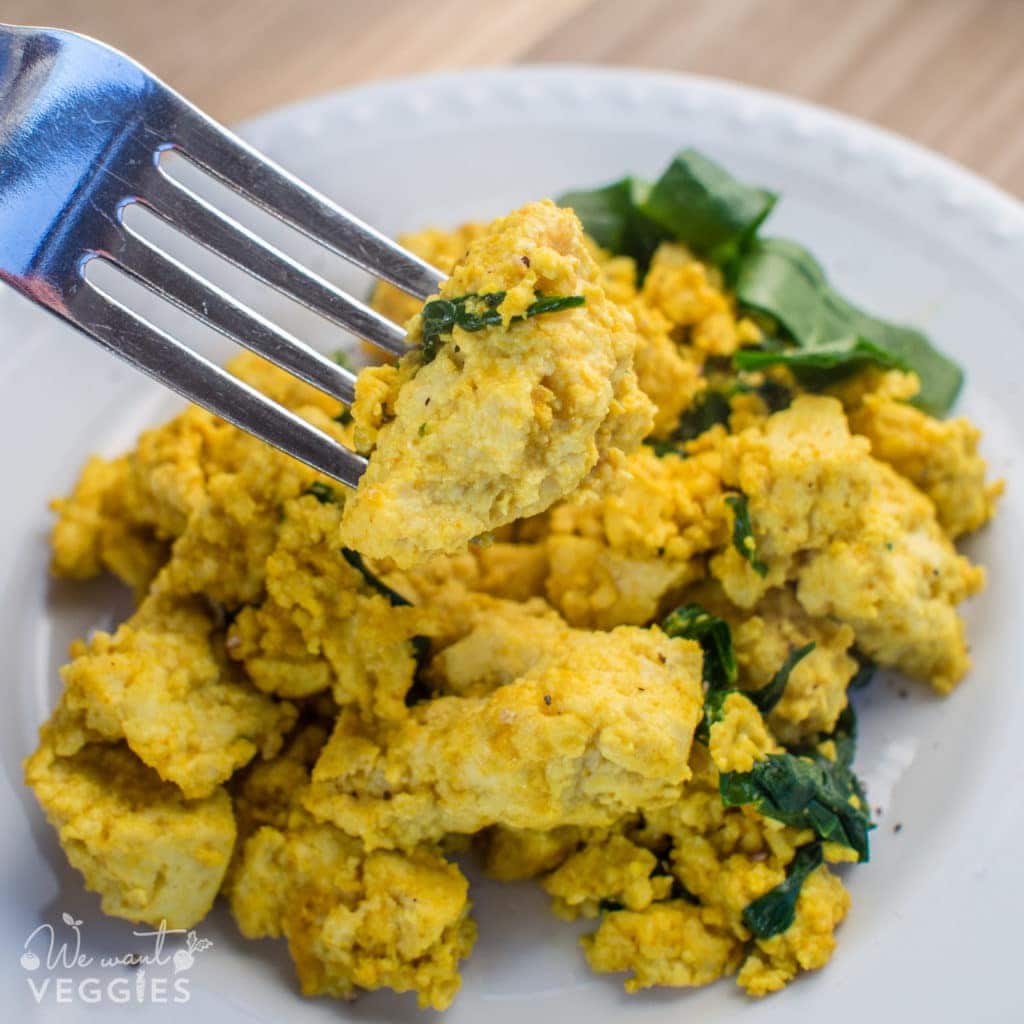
x=614 y=218
x=819 y=366
x=698 y=203
x=782 y=279
x=707 y=409
x=865 y=673
x=663 y=448
x=695 y=201
x=420 y=690
x=774 y=394
x=356 y=561
x=771 y=693
x=663 y=869
x=806 y=792
x=844 y=736
x=772 y=913
x=341 y=357
x=324 y=493
x=743 y=533
x=692 y=622
x=701 y=204
x=475 y=312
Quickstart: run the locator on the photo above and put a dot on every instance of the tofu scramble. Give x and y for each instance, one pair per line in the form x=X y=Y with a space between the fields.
x=632 y=685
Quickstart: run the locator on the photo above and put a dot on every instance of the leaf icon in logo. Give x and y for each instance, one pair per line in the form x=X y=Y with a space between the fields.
x=183 y=960
x=69 y=920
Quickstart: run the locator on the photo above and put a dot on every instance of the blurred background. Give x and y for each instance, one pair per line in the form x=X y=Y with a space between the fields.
x=947 y=73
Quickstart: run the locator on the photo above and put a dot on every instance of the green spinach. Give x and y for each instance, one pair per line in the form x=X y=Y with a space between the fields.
x=709 y=408
x=743 y=532
x=475 y=312
x=865 y=673
x=782 y=279
x=806 y=792
x=356 y=561
x=771 y=693
x=772 y=913
x=613 y=216
x=698 y=202
x=692 y=622
x=324 y=493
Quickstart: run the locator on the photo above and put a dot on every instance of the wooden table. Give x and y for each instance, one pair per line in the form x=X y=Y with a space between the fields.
x=948 y=73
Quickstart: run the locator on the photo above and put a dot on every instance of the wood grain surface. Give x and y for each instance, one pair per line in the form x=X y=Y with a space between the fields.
x=947 y=73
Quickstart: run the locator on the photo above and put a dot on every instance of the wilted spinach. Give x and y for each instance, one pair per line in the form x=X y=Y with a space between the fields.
x=772 y=913
x=806 y=792
x=356 y=561
x=771 y=693
x=743 y=532
x=692 y=622
x=475 y=312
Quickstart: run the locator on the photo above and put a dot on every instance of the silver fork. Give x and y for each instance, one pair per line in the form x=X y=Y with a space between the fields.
x=82 y=132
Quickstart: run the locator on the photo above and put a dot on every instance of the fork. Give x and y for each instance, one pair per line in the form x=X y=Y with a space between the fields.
x=83 y=129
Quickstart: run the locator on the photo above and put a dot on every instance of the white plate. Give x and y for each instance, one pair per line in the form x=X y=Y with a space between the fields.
x=936 y=916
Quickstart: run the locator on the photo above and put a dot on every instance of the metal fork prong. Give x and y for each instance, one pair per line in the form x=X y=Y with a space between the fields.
x=193 y=377
x=165 y=276
x=195 y=217
x=228 y=158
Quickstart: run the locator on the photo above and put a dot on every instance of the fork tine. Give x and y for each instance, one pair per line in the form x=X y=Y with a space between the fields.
x=202 y=222
x=167 y=277
x=193 y=377
x=238 y=165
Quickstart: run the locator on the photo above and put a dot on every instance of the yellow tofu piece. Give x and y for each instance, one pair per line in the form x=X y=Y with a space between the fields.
x=739 y=737
x=940 y=457
x=353 y=920
x=672 y=943
x=151 y=853
x=599 y=727
x=516 y=854
x=322 y=626
x=505 y=420
x=815 y=694
x=161 y=684
x=96 y=529
x=861 y=542
x=611 y=869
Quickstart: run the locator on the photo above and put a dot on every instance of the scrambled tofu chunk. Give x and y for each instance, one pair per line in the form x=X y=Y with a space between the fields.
x=622 y=558
x=353 y=920
x=97 y=531
x=505 y=420
x=610 y=870
x=597 y=728
x=322 y=626
x=672 y=943
x=739 y=737
x=515 y=854
x=159 y=684
x=861 y=542
x=806 y=945
x=940 y=457
x=151 y=853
